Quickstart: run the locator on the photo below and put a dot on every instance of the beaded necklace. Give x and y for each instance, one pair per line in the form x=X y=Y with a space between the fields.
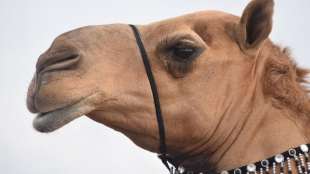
x=279 y=163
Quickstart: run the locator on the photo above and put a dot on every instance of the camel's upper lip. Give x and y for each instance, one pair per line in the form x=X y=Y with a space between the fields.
x=57 y=60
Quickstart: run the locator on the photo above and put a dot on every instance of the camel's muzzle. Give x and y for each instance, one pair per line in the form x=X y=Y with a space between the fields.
x=53 y=60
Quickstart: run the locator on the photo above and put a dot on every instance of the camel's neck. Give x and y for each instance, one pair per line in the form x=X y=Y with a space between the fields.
x=260 y=134
x=252 y=129
x=266 y=134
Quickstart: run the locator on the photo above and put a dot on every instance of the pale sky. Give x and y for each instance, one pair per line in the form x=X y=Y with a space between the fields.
x=27 y=28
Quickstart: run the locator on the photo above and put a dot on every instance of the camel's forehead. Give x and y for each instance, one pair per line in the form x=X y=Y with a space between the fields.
x=198 y=18
x=204 y=23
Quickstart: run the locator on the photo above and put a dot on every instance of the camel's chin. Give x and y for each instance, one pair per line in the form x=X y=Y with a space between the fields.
x=51 y=121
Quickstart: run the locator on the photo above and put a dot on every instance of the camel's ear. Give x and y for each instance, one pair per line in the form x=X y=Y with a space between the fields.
x=255 y=24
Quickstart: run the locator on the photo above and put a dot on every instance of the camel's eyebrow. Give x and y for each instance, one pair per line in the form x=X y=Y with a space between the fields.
x=173 y=39
x=177 y=37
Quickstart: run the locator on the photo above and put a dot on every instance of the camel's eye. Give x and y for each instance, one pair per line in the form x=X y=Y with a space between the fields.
x=184 y=51
x=179 y=53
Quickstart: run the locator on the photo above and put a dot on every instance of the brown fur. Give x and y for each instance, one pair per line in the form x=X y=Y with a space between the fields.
x=285 y=82
x=237 y=99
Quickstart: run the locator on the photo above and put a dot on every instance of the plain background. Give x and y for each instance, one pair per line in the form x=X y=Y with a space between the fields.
x=27 y=27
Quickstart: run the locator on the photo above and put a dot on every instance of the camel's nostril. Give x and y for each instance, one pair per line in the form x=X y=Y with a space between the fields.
x=57 y=60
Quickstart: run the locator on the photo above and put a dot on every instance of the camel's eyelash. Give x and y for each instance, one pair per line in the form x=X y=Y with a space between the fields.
x=172 y=40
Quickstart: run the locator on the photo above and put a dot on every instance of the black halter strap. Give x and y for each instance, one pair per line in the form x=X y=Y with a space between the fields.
x=160 y=121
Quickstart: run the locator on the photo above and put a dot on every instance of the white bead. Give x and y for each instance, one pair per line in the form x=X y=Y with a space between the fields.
x=308 y=165
x=279 y=158
x=251 y=168
x=224 y=172
x=274 y=168
x=304 y=148
x=289 y=166
x=261 y=171
x=181 y=169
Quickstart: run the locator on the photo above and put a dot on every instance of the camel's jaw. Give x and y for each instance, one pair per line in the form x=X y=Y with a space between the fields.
x=53 y=120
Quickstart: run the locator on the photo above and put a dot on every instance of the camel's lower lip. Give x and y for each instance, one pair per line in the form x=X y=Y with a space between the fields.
x=50 y=121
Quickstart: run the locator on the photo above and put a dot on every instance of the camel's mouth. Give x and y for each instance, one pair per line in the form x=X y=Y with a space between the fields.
x=53 y=120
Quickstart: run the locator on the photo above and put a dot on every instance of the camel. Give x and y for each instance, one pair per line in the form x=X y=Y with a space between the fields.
x=229 y=96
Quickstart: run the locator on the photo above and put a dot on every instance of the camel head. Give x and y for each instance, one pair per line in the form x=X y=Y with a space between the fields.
x=209 y=68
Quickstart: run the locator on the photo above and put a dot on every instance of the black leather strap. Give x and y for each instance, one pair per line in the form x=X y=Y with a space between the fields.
x=160 y=121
